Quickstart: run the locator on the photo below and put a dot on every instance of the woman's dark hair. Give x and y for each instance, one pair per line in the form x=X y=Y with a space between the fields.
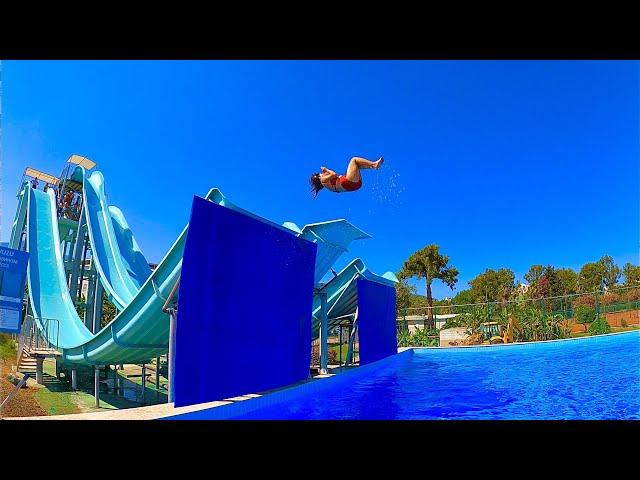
x=316 y=184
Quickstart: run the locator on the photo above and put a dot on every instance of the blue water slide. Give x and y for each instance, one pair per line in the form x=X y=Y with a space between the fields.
x=342 y=291
x=120 y=278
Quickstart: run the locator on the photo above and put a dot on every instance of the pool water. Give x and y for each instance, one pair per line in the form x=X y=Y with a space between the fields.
x=590 y=378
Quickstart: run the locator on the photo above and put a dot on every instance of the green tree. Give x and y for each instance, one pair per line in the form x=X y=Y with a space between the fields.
x=585 y=315
x=567 y=281
x=610 y=271
x=591 y=277
x=464 y=297
x=600 y=326
x=404 y=295
x=428 y=264
x=109 y=311
x=534 y=274
x=494 y=285
x=631 y=274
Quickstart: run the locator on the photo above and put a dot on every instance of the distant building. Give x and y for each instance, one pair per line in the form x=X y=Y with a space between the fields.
x=418 y=321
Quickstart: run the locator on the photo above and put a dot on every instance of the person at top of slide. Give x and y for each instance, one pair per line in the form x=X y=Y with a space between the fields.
x=350 y=182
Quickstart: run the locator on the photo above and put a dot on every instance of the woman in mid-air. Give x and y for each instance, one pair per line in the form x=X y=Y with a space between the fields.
x=350 y=182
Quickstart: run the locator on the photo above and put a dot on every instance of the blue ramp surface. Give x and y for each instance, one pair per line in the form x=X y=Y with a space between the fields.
x=376 y=321
x=244 y=312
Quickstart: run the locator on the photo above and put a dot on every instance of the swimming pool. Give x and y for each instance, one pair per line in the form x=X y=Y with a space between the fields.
x=586 y=378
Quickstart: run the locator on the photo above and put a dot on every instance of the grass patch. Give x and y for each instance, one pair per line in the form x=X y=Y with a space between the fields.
x=625 y=329
x=345 y=349
x=7 y=347
x=57 y=403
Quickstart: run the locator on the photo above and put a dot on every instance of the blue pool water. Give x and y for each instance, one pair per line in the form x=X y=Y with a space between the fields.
x=591 y=378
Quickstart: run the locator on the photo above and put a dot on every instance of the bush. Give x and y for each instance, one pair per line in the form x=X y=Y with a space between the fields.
x=610 y=298
x=624 y=323
x=632 y=295
x=599 y=326
x=404 y=338
x=584 y=300
x=584 y=315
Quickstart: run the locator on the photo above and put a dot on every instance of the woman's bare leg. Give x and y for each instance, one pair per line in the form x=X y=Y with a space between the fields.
x=357 y=163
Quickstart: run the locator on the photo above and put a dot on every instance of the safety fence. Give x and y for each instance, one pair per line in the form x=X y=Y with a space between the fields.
x=544 y=318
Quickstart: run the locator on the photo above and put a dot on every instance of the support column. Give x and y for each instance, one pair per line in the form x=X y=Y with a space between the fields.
x=88 y=313
x=115 y=380
x=157 y=377
x=352 y=338
x=324 y=332
x=39 y=370
x=96 y=384
x=144 y=381
x=97 y=304
x=172 y=351
x=81 y=233
x=74 y=379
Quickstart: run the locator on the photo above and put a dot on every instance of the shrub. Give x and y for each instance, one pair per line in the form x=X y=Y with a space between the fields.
x=624 y=323
x=610 y=298
x=333 y=356
x=584 y=300
x=599 y=326
x=404 y=338
x=584 y=315
x=315 y=355
x=632 y=294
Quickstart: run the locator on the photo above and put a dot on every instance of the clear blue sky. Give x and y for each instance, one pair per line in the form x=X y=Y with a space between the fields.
x=501 y=163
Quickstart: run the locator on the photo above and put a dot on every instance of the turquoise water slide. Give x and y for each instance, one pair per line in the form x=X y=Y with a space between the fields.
x=342 y=291
x=140 y=331
x=120 y=263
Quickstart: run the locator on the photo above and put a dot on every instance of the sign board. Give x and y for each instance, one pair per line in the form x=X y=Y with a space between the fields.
x=13 y=273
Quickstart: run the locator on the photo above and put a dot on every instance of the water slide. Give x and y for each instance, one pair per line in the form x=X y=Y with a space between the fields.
x=342 y=292
x=140 y=331
x=120 y=263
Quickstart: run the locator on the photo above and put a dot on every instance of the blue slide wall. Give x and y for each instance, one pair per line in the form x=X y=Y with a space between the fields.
x=244 y=306
x=376 y=321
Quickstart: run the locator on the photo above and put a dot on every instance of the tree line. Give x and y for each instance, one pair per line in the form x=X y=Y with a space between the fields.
x=428 y=264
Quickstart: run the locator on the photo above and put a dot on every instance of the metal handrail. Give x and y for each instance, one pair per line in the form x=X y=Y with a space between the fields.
x=26 y=333
x=48 y=336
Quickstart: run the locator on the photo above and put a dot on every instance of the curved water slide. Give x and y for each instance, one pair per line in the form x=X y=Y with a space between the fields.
x=119 y=262
x=342 y=292
x=138 y=333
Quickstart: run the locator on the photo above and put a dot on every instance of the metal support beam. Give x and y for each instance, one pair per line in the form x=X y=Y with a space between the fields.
x=81 y=270
x=144 y=381
x=97 y=305
x=352 y=339
x=88 y=312
x=115 y=379
x=74 y=379
x=157 y=377
x=39 y=370
x=171 y=359
x=324 y=332
x=96 y=384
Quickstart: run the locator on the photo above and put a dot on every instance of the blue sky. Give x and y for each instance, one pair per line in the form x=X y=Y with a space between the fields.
x=501 y=163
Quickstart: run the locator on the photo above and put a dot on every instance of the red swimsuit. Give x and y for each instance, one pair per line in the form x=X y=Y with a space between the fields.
x=341 y=184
